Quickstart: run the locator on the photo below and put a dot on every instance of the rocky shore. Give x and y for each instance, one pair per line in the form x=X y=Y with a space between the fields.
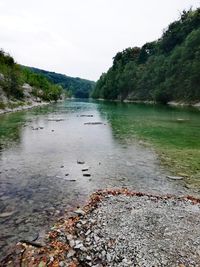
x=119 y=228
x=25 y=106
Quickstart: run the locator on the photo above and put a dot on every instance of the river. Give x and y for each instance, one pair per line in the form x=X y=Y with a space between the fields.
x=40 y=178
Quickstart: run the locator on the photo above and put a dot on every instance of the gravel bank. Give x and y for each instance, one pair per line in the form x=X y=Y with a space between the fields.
x=120 y=228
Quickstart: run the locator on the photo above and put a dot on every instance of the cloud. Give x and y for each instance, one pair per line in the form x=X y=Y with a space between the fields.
x=80 y=38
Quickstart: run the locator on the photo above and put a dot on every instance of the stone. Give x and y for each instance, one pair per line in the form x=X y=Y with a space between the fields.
x=85 y=169
x=88 y=232
x=86 y=174
x=93 y=123
x=175 y=177
x=96 y=238
x=6 y=214
x=80 y=212
x=80 y=162
x=72 y=243
x=83 y=115
x=88 y=258
x=71 y=253
x=69 y=237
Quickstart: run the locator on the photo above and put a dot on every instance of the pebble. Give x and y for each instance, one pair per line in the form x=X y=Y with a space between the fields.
x=80 y=212
x=72 y=243
x=71 y=253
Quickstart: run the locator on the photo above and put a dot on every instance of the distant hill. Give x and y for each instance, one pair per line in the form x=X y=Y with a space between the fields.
x=165 y=70
x=77 y=87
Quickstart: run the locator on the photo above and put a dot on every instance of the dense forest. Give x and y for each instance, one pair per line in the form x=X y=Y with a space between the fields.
x=77 y=87
x=164 y=70
x=13 y=76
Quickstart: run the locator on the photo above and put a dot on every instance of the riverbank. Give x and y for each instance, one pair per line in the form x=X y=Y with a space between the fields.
x=20 y=106
x=171 y=103
x=119 y=228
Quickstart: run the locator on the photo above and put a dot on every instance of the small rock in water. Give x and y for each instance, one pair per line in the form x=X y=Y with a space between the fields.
x=86 y=115
x=175 y=177
x=67 y=174
x=80 y=162
x=52 y=130
x=87 y=174
x=6 y=214
x=85 y=169
x=62 y=166
x=93 y=123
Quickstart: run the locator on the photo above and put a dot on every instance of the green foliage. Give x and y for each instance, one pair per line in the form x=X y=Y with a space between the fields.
x=14 y=76
x=79 y=88
x=11 y=81
x=42 y=87
x=161 y=71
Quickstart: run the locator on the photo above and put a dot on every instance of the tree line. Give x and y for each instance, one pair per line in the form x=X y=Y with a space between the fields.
x=76 y=87
x=164 y=70
x=13 y=76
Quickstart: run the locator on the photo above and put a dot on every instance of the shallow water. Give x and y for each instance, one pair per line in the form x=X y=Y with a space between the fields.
x=39 y=175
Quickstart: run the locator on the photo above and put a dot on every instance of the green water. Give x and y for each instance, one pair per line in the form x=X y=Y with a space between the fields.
x=136 y=146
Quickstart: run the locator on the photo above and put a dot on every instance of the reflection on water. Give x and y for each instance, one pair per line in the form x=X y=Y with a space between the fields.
x=39 y=175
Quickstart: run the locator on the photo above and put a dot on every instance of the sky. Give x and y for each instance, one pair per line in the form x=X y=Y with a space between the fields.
x=79 y=38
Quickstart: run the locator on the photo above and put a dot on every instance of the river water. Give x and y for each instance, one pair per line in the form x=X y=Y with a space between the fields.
x=40 y=178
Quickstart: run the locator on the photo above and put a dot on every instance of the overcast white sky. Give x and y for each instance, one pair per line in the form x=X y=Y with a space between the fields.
x=80 y=37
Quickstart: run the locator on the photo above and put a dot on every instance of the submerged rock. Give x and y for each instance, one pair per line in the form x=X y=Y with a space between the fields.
x=6 y=214
x=93 y=123
x=86 y=174
x=175 y=177
x=86 y=115
x=80 y=162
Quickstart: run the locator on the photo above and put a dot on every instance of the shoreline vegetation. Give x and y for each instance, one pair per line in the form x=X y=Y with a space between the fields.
x=21 y=89
x=171 y=103
x=25 y=87
x=94 y=235
x=163 y=71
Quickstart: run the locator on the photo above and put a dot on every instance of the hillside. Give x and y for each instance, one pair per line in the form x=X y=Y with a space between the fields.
x=165 y=70
x=20 y=86
x=77 y=87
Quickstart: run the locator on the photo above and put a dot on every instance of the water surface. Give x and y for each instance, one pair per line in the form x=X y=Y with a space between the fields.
x=39 y=175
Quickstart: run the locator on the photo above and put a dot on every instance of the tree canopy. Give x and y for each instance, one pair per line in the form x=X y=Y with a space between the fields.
x=14 y=76
x=167 y=69
x=77 y=87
